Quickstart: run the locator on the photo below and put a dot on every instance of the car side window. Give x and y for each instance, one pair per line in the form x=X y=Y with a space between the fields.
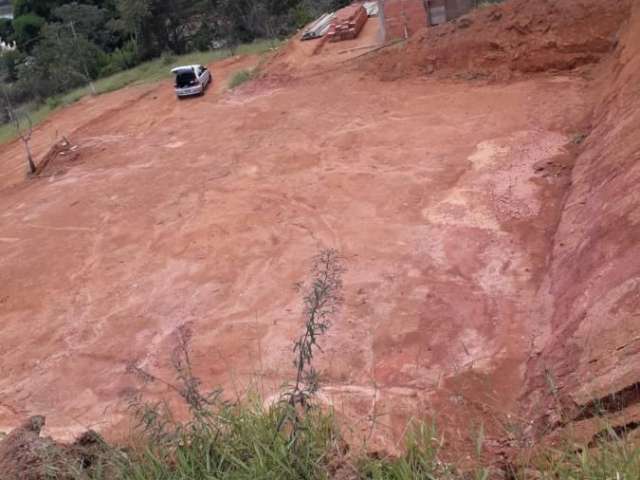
x=200 y=71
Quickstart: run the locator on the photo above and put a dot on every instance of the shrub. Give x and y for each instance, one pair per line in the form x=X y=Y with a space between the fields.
x=239 y=78
x=167 y=58
x=54 y=102
x=120 y=59
x=26 y=30
x=10 y=60
x=6 y=30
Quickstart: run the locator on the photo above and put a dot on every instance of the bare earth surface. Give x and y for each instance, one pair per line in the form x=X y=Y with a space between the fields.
x=442 y=196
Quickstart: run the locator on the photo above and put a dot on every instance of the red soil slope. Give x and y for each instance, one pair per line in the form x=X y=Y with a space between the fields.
x=590 y=346
x=165 y=219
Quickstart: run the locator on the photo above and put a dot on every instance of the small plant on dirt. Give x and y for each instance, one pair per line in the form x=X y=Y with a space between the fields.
x=244 y=439
x=189 y=386
x=156 y=419
x=241 y=77
x=322 y=300
x=579 y=138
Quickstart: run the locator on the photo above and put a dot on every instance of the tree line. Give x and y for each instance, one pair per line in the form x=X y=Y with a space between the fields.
x=61 y=45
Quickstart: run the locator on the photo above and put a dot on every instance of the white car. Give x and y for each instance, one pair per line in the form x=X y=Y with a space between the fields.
x=191 y=80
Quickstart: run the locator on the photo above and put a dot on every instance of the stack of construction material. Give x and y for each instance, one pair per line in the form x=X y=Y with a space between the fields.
x=348 y=23
x=319 y=28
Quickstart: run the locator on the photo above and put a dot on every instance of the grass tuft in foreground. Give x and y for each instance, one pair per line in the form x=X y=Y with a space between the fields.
x=608 y=460
x=242 y=441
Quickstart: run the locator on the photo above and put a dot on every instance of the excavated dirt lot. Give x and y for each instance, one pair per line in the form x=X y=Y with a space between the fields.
x=443 y=197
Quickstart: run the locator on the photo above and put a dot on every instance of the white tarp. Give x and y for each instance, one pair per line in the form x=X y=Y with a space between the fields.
x=372 y=8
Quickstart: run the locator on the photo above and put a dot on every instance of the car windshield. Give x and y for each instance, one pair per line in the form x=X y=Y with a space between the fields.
x=185 y=79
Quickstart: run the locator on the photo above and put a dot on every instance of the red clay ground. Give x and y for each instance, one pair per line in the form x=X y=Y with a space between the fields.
x=442 y=196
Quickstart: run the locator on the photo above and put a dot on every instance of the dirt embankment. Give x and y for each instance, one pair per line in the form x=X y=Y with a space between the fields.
x=589 y=357
x=25 y=455
x=512 y=39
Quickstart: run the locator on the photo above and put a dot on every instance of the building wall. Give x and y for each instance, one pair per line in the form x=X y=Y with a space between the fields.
x=402 y=18
x=456 y=8
x=440 y=11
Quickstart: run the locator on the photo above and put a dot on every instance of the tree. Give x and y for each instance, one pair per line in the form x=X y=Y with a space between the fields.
x=6 y=30
x=42 y=8
x=173 y=20
x=161 y=25
x=134 y=17
x=88 y=21
x=10 y=60
x=61 y=61
x=24 y=129
x=27 y=30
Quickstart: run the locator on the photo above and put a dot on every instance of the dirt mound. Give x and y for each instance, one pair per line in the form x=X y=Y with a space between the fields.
x=25 y=455
x=58 y=159
x=517 y=37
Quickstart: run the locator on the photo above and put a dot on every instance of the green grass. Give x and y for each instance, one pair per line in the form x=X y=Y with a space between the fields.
x=240 y=77
x=38 y=114
x=236 y=442
x=148 y=72
x=611 y=460
x=246 y=442
x=420 y=460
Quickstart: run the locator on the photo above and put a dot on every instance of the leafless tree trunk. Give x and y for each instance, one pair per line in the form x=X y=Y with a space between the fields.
x=25 y=136
x=23 y=133
x=27 y=147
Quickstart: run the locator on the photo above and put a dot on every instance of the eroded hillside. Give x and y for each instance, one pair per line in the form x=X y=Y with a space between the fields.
x=591 y=293
x=490 y=231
